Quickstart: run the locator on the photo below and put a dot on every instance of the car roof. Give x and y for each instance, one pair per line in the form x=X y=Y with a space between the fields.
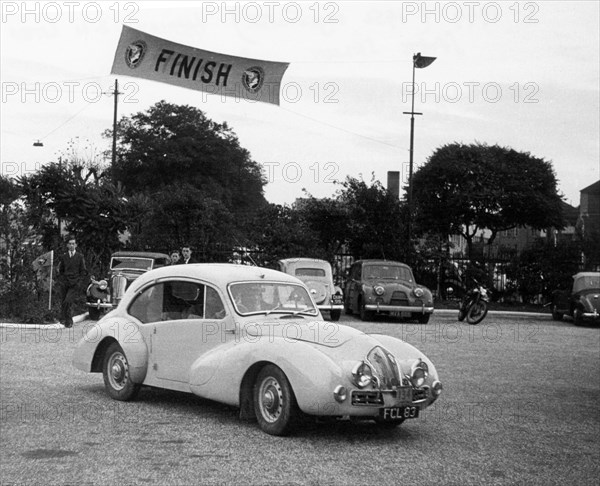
x=304 y=261
x=220 y=274
x=382 y=262
x=139 y=254
x=587 y=274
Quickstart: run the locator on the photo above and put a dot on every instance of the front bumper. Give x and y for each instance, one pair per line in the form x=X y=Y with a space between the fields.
x=591 y=315
x=100 y=305
x=331 y=307
x=399 y=308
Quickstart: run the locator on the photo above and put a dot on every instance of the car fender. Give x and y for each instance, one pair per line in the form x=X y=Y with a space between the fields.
x=312 y=374
x=89 y=353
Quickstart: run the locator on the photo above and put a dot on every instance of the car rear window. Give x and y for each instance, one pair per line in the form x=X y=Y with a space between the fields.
x=310 y=272
x=131 y=263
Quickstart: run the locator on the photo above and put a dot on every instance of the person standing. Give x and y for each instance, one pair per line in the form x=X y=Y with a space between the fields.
x=186 y=251
x=175 y=257
x=71 y=274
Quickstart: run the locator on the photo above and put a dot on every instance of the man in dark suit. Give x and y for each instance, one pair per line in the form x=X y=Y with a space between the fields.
x=71 y=274
x=186 y=253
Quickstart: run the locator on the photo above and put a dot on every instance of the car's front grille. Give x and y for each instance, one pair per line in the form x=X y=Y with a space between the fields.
x=419 y=394
x=367 y=398
x=375 y=398
x=399 y=298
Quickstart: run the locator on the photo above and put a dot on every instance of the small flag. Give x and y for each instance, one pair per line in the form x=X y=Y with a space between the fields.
x=142 y=55
x=43 y=267
x=44 y=260
x=421 y=62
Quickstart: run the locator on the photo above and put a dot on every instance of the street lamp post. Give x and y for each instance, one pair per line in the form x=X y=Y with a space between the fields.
x=419 y=62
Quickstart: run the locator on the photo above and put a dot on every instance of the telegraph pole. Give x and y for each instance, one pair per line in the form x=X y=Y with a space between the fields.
x=419 y=62
x=116 y=94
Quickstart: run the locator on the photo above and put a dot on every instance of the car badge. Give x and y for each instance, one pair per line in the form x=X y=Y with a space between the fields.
x=135 y=53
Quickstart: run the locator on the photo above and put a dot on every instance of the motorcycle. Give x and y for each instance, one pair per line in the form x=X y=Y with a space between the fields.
x=474 y=305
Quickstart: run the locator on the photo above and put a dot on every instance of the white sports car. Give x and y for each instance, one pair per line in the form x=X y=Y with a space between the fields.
x=253 y=338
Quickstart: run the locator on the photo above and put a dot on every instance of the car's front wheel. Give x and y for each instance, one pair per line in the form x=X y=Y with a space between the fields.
x=335 y=315
x=115 y=371
x=578 y=316
x=274 y=401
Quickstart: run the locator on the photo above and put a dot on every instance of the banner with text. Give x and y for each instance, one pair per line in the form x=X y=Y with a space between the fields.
x=145 y=56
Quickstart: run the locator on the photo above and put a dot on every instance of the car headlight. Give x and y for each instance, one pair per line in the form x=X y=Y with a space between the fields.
x=419 y=373
x=362 y=374
x=379 y=290
x=102 y=284
x=419 y=292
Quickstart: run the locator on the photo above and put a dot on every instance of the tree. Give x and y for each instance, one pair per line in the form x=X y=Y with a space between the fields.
x=95 y=211
x=464 y=189
x=174 y=144
x=328 y=220
x=374 y=228
x=544 y=267
x=183 y=214
x=280 y=231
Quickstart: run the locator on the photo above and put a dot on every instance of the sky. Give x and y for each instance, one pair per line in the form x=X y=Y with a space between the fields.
x=523 y=75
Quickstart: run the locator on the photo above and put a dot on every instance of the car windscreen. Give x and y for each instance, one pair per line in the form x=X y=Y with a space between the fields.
x=387 y=272
x=131 y=263
x=310 y=272
x=586 y=282
x=271 y=297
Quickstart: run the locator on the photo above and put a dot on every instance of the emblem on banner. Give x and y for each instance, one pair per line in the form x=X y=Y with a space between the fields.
x=253 y=79
x=135 y=53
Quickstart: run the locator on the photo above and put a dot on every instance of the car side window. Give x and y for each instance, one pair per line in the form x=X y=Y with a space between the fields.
x=148 y=305
x=177 y=300
x=214 y=308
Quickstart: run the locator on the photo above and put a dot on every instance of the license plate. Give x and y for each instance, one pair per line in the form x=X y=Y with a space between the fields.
x=337 y=300
x=404 y=395
x=396 y=413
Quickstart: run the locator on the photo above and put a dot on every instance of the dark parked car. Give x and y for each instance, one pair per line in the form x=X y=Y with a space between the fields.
x=125 y=267
x=581 y=301
x=386 y=287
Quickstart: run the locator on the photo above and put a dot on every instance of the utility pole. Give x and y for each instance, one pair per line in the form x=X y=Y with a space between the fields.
x=419 y=62
x=116 y=94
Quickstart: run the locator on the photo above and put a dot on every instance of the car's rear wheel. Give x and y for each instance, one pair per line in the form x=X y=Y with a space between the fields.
x=335 y=315
x=274 y=401
x=115 y=370
x=557 y=316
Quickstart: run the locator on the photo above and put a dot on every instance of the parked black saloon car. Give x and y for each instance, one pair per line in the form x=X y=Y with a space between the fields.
x=125 y=266
x=580 y=302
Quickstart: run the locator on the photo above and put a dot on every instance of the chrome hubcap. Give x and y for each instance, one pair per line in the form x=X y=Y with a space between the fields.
x=271 y=399
x=118 y=371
